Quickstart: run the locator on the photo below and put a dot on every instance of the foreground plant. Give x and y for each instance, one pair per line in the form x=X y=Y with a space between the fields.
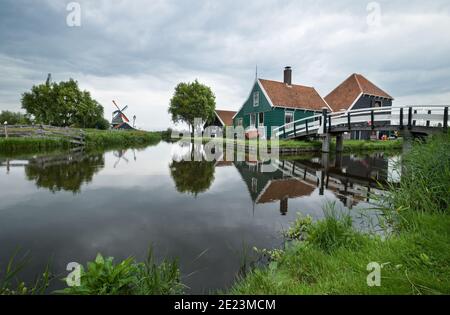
x=10 y=283
x=103 y=277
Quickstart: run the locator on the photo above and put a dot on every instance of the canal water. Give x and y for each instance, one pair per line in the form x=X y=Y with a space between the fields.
x=65 y=208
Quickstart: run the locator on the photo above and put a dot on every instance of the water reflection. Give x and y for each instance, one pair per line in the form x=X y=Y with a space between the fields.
x=351 y=178
x=122 y=206
x=67 y=172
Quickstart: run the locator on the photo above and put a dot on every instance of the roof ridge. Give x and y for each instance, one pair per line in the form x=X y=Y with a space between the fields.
x=343 y=81
x=306 y=86
x=357 y=81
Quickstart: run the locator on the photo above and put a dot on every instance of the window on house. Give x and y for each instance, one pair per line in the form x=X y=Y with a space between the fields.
x=256 y=98
x=288 y=117
x=239 y=122
x=377 y=103
x=261 y=119
x=252 y=120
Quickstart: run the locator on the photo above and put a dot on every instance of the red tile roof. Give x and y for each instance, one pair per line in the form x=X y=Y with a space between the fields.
x=346 y=93
x=293 y=96
x=226 y=116
x=286 y=188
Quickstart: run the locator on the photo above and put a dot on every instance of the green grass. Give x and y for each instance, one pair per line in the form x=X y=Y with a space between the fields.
x=95 y=139
x=100 y=277
x=29 y=145
x=316 y=145
x=330 y=257
x=370 y=145
x=124 y=138
x=103 y=277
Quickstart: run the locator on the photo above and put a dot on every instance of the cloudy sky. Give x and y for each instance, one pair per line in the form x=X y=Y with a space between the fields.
x=137 y=51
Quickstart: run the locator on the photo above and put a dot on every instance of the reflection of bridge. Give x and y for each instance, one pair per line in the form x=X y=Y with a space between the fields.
x=423 y=119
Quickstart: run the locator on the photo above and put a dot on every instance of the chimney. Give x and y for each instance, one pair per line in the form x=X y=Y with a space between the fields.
x=288 y=75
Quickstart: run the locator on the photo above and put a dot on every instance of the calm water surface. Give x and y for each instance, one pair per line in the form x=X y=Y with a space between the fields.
x=207 y=214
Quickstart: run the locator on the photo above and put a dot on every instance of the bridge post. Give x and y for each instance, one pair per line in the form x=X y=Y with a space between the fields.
x=339 y=142
x=445 y=125
x=410 y=118
x=324 y=119
x=326 y=142
x=326 y=137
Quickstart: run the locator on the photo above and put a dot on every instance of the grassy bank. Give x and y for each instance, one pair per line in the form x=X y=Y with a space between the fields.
x=95 y=139
x=316 y=145
x=331 y=257
x=31 y=145
x=107 y=138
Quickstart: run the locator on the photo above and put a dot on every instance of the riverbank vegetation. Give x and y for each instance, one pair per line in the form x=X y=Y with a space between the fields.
x=313 y=145
x=100 y=277
x=331 y=257
x=94 y=139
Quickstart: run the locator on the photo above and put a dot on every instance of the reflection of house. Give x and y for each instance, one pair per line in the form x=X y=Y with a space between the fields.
x=283 y=189
x=273 y=104
x=356 y=92
x=272 y=187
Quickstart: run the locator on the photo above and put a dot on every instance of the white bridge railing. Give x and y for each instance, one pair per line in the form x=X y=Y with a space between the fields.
x=429 y=116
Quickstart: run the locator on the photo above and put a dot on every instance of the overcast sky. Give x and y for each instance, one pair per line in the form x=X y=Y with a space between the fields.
x=135 y=52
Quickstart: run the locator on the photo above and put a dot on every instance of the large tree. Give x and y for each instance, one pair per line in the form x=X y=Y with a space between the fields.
x=63 y=104
x=192 y=100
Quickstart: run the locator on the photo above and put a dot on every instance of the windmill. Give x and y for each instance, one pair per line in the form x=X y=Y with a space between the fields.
x=119 y=119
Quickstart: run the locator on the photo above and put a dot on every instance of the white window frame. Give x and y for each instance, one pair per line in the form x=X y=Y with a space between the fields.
x=253 y=125
x=255 y=98
x=240 y=122
x=286 y=114
x=259 y=120
x=377 y=101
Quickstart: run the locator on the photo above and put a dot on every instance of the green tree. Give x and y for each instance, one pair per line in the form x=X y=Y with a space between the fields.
x=62 y=104
x=13 y=118
x=192 y=100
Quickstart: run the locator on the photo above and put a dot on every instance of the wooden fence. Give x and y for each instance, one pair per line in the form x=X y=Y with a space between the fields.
x=73 y=135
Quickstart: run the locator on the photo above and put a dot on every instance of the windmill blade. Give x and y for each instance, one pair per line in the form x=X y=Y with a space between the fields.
x=124 y=117
x=123 y=109
x=116 y=105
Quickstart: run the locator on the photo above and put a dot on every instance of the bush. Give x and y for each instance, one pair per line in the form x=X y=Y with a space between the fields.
x=103 y=277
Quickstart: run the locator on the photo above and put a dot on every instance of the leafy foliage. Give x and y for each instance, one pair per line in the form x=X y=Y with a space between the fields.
x=192 y=100
x=13 y=118
x=63 y=104
x=103 y=277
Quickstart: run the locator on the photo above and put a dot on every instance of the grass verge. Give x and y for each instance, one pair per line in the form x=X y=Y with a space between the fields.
x=95 y=139
x=330 y=257
x=316 y=145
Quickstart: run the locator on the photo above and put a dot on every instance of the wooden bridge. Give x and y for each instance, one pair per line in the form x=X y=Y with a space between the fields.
x=72 y=135
x=411 y=120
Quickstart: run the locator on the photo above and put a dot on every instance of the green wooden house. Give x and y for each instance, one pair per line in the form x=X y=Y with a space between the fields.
x=271 y=104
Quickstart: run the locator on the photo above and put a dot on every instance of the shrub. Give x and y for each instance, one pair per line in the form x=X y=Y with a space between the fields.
x=103 y=277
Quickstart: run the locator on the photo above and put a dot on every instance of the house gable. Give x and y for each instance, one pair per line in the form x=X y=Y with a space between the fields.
x=347 y=94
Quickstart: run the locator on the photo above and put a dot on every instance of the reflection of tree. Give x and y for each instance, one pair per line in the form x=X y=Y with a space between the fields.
x=67 y=172
x=192 y=176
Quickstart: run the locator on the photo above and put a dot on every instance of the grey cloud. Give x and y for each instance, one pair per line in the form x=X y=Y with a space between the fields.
x=220 y=42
